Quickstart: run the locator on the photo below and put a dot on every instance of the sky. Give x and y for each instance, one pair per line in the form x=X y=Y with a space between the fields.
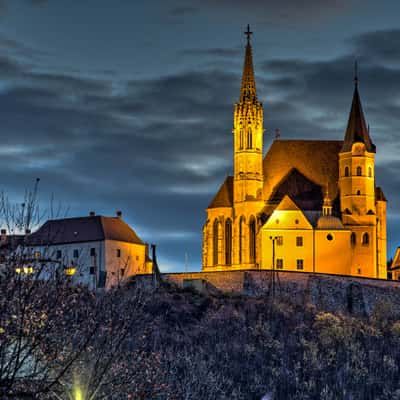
x=128 y=105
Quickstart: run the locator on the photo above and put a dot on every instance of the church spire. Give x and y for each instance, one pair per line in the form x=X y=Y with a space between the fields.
x=357 y=130
x=248 y=89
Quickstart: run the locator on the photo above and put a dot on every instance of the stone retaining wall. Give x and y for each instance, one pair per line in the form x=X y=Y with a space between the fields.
x=358 y=296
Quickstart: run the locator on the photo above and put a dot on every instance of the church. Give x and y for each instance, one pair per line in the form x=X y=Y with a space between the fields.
x=307 y=205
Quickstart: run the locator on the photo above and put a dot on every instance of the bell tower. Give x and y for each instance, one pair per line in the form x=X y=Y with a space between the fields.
x=248 y=135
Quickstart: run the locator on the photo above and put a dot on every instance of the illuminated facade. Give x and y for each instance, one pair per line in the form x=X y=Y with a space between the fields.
x=308 y=205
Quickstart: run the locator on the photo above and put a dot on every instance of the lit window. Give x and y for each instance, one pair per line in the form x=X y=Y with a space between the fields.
x=299 y=241
x=279 y=240
x=279 y=263
x=300 y=264
x=76 y=253
x=118 y=253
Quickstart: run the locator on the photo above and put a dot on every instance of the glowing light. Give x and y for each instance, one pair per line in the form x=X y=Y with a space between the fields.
x=70 y=271
x=78 y=395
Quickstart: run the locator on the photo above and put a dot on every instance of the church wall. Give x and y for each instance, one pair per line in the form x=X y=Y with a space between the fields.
x=293 y=256
x=332 y=251
x=381 y=238
x=364 y=254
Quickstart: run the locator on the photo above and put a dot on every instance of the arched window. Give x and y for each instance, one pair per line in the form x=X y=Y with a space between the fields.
x=252 y=240
x=365 y=239
x=346 y=171
x=215 y=242
x=228 y=242
x=241 y=139
x=370 y=172
x=359 y=171
x=353 y=239
x=241 y=231
x=358 y=192
x=249 y=139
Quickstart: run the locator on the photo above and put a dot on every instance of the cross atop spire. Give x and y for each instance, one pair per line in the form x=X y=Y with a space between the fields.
x=248 y=34
x=248 y=89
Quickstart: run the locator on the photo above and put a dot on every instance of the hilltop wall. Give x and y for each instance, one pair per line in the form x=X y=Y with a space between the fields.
x=334 y=293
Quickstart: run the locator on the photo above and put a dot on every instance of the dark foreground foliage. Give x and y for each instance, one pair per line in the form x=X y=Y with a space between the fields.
x=179 y=344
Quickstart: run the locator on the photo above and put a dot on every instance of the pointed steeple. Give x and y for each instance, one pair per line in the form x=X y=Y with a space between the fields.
x=357 y=130
x=248 y=89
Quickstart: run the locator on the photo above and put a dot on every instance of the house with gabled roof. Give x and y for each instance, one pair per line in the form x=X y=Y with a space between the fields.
x=95 y=250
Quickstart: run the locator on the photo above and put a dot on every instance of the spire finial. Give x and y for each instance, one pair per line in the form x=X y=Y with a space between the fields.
x=356 y=72
x=248 y=33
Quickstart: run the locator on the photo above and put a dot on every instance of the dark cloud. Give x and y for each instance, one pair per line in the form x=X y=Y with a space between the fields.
x=158 y=148
x=379 y=46
x=286 y=11
x=183 y=11
x=213 y=52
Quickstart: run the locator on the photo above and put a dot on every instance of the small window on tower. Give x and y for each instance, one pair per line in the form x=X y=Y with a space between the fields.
x=249 y=139
x=241 y=139
x=346 y=171
x=359 y=171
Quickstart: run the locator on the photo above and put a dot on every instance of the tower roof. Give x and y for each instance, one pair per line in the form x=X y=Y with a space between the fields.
x=357 y=130
x=248 y=89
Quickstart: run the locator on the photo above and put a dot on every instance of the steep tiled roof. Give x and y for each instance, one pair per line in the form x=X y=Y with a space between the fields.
x=83 y=229
x=316 y=160
x=357 y=130
x=224 y=197
x=379 y=195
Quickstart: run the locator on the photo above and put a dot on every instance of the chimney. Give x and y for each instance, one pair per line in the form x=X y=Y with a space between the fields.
x=92 y=214
x=119 y=214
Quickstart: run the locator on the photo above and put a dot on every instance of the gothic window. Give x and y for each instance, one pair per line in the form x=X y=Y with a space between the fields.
x=228 y=242
x=215 y=242
x=370 y=172
x=249 y=139
x=365 y=239
x=252 y=240
x=241 y=225
x=241 y=139
x=346 y=171
x=359 y=171
x=353 y=239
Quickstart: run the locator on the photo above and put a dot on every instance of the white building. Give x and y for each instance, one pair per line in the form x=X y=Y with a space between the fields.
x=97 y=251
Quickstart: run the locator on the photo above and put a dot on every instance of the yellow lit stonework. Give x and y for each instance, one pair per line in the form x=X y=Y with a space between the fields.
x=317 y=200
